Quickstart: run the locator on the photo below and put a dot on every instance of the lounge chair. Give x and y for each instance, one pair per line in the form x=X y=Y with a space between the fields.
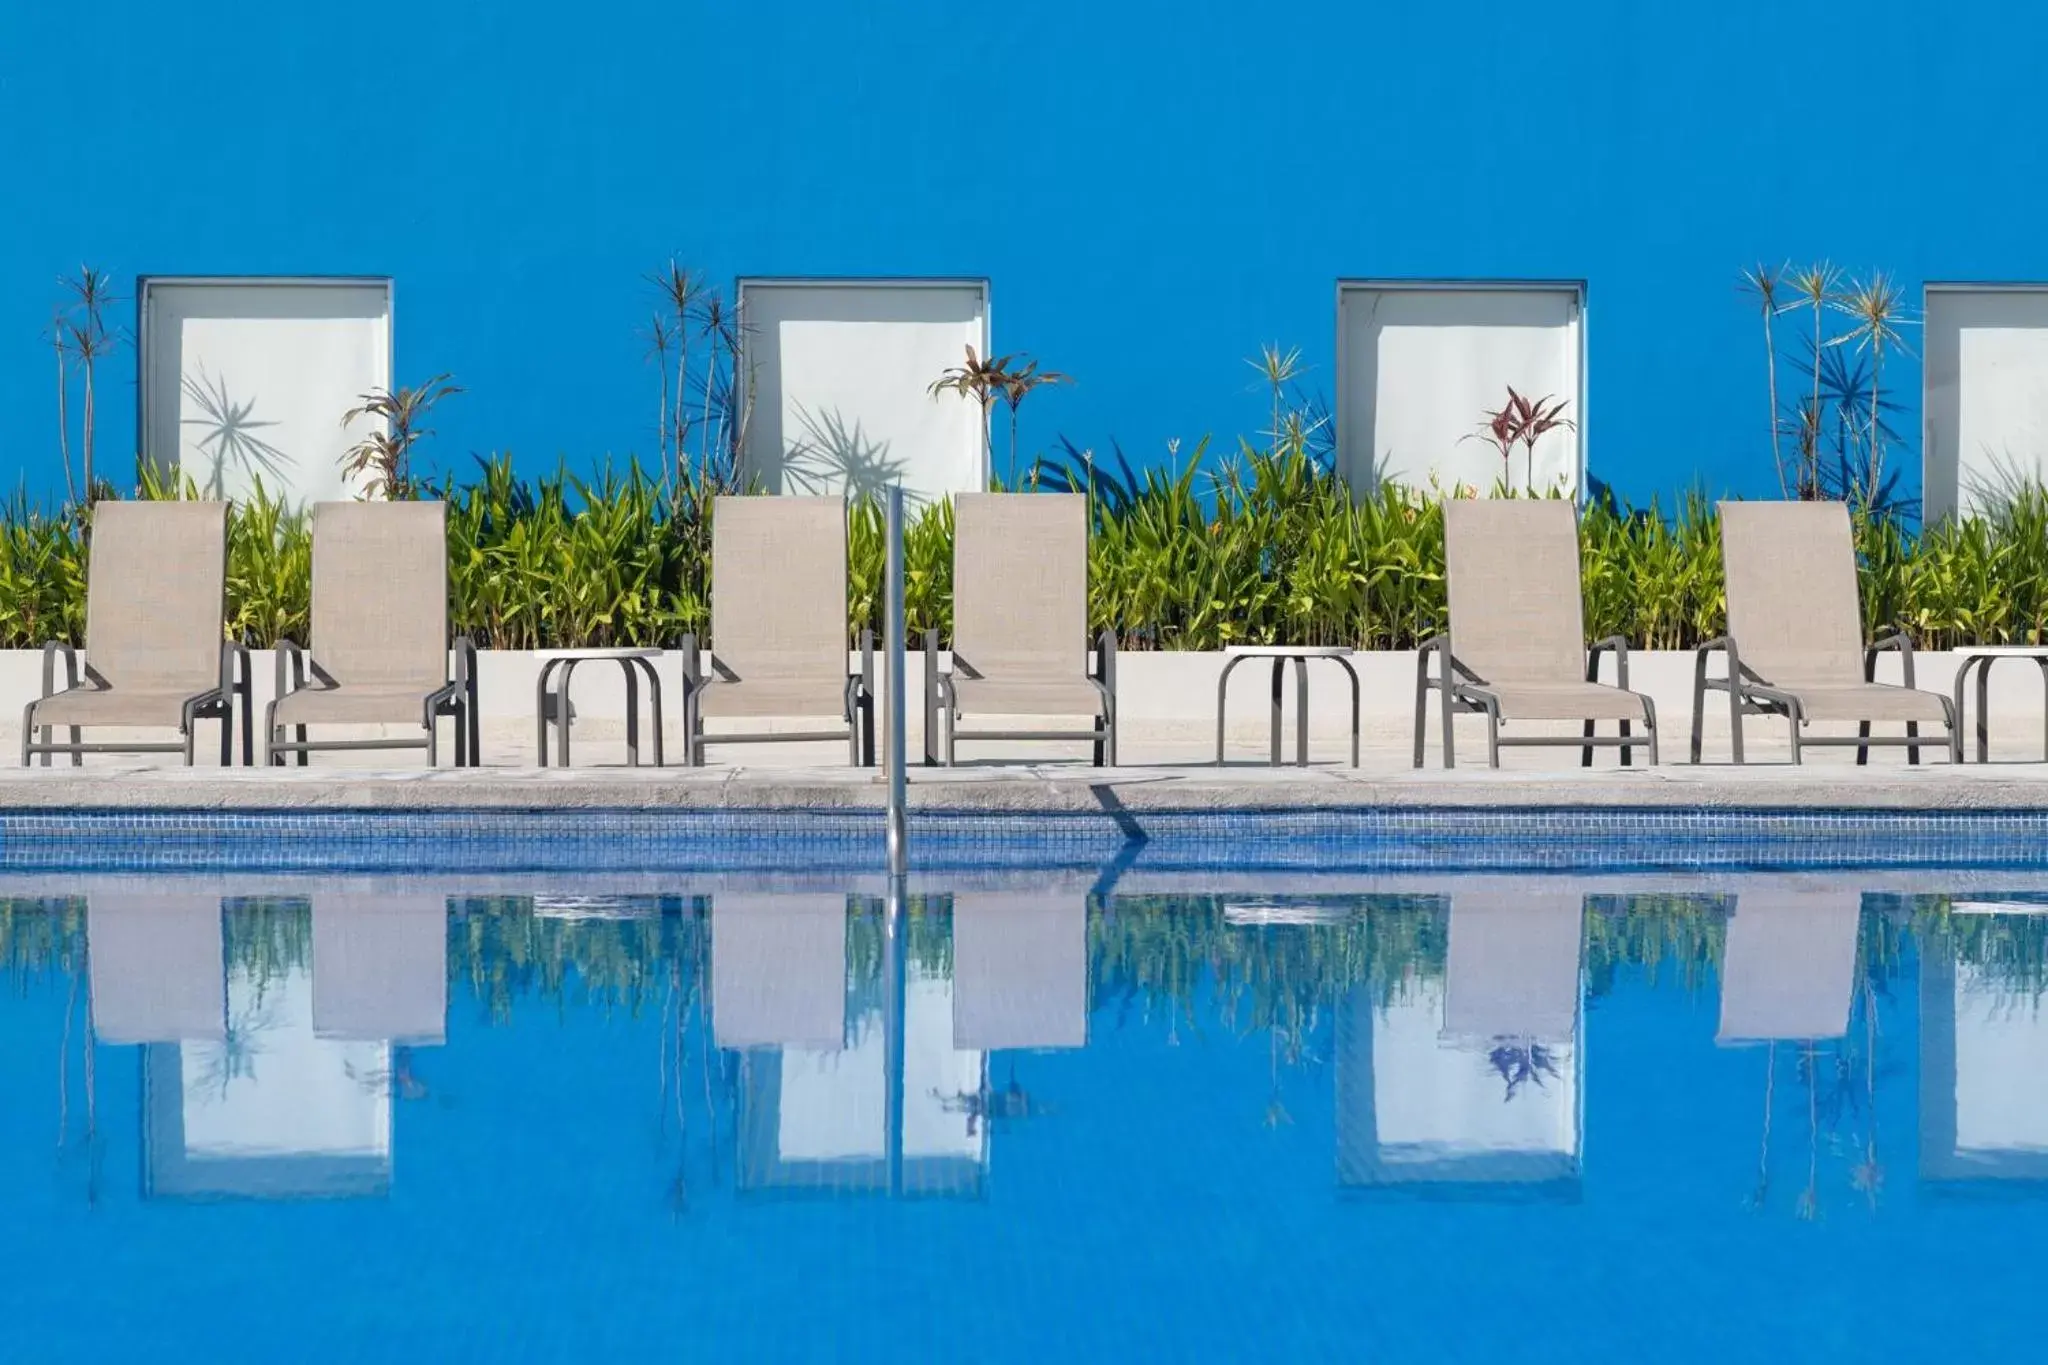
x=379 y=648
x=1517 y=649
x=1020 y=627
x=1795 y=636
x=778 y=629
x=155 y=649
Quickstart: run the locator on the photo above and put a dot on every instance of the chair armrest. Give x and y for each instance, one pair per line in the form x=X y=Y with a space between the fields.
x=1720 y=644
x=1618 y=647
x=234 y=668
x=289 y=657
x=465 y=664
x=51 y=652
x=866 y=675
x=1439 y=645
x=1104 y=662
x=1900 y=643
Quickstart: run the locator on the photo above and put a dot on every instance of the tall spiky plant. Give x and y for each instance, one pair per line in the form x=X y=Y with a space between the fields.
x=680 y=289
x=660 y=339
x=1762 y=280
x=1877 y=310
x=1278 y=369
x=1815 y=286
x=85 y=339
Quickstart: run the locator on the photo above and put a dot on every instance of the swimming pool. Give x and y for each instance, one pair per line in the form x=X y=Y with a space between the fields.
x=1024 y=1116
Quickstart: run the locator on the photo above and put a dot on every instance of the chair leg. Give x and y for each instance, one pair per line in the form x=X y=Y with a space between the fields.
x=1862 y=750
x=1735 y=722
x=1492 y=735
x=1586 y=753
x=1913 y=750
x=1797 y=756
x=1650 y=727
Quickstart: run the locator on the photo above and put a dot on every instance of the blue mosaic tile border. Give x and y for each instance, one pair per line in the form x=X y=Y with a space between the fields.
x=1385 y=839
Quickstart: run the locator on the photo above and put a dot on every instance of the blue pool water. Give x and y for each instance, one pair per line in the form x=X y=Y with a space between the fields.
x=1030 y=1116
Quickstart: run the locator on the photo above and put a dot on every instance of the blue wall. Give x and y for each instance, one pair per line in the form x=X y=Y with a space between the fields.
x=518 y=167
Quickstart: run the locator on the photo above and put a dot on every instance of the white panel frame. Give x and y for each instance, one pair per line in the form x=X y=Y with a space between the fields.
x=766 y=449
x=149 y=293
x=1953 y=480
x=1361 y=465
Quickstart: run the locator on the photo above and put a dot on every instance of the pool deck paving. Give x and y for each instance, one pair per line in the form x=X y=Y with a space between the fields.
x=1026 y=788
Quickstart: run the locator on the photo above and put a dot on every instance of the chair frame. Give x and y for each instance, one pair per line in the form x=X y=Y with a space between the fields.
x=216 y=703
x=941 y=706
x=859 y=699
x=1749 y=694
x=1464 y=692
x=455 y=698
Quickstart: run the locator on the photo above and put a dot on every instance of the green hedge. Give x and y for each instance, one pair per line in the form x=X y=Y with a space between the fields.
x=1271 y=547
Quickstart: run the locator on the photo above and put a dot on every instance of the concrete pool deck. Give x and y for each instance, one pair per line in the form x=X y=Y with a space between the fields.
x=1025 y=788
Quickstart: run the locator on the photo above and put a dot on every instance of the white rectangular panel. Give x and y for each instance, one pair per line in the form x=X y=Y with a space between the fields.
x=248 y=379
x=1986 y=396
x=842 y=373
x=1421 y=364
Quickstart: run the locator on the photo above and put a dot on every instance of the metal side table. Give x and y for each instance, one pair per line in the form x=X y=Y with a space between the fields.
x=1283 y=655
x=1978 y=659
x=552 y=703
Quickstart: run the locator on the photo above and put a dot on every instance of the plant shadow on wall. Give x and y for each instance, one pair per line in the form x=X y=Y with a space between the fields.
x=227 y=434
x=832 y=455
x=1830 y=436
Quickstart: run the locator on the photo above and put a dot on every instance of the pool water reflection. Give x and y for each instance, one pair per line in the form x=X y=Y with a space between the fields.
x=1462 y=1117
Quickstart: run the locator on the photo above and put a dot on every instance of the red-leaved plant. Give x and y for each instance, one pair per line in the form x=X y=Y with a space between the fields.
x=1522 y=421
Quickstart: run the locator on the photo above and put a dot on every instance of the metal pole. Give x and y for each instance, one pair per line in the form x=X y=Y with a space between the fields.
x=898 y=831
x=896 y=941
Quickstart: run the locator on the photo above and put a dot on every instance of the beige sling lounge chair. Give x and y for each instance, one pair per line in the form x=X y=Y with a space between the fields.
x=1020 y=626
x=1795 y=637
x=155 y=652
x=379 y=648
x=1517 y=645
x=778 y=629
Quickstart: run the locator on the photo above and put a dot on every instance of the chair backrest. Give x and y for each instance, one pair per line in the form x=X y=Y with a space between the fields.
x=380 y=592
x=1512 y=566
x=1790 y=571
x=778 y=591
x=156 y=594
x=1020 y=583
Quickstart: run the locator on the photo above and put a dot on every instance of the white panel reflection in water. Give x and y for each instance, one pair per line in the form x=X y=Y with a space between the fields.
x=272 y=1109
x=1983 y=1072
x=1020 y=971
x=1789 y=965
x=156 y=972
x=1475 y=1078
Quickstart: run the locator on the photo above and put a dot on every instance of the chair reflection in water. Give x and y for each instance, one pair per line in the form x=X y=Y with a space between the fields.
x=275 y=1034
x=875 y=1080
x=1470 y=1084
x=1984 y=1052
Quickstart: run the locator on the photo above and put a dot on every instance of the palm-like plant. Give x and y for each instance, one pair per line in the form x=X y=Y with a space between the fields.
x=1877 y=310
x=1763 y=280
x=82 y=339
x=1278 y=369
x=383 y=458
x=982 y=379
x=1018 y=385
x=1815 y=285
